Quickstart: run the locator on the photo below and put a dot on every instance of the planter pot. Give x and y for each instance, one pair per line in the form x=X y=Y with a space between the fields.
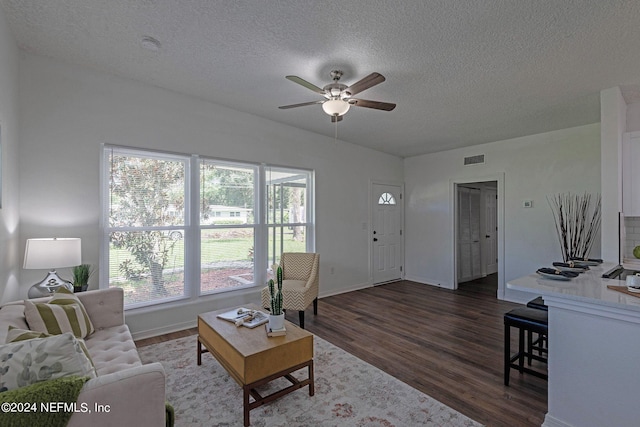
x=276 y=322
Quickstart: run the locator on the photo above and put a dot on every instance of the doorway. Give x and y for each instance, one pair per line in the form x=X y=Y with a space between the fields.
x=387 y=248
x=476 y=233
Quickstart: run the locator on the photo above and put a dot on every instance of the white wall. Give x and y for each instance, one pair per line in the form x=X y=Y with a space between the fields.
x=613 y=112
x=10 y=259
x=633 y=117
x=532 y=167
x=67 y=111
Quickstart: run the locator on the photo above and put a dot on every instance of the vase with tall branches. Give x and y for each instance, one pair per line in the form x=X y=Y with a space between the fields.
x=577 y=220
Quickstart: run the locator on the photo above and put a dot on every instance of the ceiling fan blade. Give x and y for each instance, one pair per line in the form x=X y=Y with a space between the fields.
x=285 y=107
x=306 y=84
x=365 y=83
x=336 y=119
x=378 y=105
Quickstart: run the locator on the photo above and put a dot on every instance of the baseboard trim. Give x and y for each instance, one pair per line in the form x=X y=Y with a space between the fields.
x=176 y=327
x=352 y=288
x=550 y=421
x=427 y=281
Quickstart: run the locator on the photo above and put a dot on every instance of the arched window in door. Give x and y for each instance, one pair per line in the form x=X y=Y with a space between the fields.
x=386 y=199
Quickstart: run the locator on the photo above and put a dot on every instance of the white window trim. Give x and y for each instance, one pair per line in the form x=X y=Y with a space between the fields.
x=192 y=227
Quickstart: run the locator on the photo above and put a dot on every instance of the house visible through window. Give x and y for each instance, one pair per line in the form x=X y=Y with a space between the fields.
x=227 y=241
x=170 y=236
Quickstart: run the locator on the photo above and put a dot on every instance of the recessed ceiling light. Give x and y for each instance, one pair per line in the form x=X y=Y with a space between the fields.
x=150 y=43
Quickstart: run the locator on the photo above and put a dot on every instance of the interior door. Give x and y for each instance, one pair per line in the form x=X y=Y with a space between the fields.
x=469 y=251
x=491 y=230
x=387 y=233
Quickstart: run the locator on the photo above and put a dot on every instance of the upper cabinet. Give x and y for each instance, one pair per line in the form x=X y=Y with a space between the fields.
x=631 y=174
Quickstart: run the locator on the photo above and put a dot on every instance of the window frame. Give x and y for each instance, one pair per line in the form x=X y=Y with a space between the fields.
x=106 y=229
x=255 y=225
x=192 y=227
x=308 y=224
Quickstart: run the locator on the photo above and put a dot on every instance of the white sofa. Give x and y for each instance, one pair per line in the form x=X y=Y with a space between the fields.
x=134 y=393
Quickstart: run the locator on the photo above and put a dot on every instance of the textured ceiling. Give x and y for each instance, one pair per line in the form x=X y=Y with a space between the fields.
x=461 y=73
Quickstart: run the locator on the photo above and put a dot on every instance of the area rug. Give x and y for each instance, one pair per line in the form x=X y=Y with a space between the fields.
x=348 y=392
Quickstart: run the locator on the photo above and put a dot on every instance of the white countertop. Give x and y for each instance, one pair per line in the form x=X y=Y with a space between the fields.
x=588 y=287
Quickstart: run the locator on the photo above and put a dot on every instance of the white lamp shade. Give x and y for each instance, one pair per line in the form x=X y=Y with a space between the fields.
x=52 y=253
x=335 y=107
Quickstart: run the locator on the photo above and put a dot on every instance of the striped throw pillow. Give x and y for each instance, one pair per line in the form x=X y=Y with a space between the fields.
x=63 y=313
x=15 y=334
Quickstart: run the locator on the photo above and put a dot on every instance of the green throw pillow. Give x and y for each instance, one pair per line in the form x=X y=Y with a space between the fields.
x=63 y=313
x=31 y=398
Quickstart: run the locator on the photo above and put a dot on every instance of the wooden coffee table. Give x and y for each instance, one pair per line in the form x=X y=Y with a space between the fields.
x=253 y=359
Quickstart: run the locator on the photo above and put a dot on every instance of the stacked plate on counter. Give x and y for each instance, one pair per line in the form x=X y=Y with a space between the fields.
x=585 y=261
x=555 y=274
x=571 y=266
x=569 y=270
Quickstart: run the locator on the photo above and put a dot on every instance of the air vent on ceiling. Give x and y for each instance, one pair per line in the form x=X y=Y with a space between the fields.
x=474 y=160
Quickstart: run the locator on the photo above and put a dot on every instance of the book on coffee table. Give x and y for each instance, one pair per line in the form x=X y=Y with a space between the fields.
x=275 y=332
x=245 y=317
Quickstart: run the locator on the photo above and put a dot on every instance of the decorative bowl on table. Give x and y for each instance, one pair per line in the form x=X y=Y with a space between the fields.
x=554 y=274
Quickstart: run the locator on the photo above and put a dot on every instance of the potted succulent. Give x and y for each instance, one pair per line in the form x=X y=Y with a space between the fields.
x=81 y=274
x=276 y=317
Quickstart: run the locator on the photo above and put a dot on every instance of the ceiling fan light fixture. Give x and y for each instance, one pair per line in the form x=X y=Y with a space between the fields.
x=335 y=107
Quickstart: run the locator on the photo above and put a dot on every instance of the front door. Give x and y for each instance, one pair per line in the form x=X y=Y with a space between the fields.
x=387 y=233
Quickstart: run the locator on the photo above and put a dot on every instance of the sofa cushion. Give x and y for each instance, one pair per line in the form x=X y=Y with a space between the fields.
x=39 y=359
x=112 y=350
x=63 y=313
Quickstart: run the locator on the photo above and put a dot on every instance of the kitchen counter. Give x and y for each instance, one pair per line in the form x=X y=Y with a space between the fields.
x=594 y=349
x=588 y=287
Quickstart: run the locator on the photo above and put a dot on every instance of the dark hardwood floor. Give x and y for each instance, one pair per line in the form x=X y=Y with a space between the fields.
x=447 y=344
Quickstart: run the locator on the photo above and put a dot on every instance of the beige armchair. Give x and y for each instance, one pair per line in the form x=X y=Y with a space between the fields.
x=300 y=282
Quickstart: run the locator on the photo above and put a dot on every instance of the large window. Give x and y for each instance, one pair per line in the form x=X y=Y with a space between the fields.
x=227 y=225
x=289 y=211
x=145 y=224
x=180 y=226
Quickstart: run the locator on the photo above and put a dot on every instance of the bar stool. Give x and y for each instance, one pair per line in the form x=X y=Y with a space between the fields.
x=541 y=340
x=538 y=303
x=529 y=320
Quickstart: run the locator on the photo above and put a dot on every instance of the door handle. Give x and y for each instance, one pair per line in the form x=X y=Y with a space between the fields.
x=375 y=239
x=487 y=236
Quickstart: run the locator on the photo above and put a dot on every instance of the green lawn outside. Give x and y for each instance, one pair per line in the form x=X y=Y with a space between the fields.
x=212 y=251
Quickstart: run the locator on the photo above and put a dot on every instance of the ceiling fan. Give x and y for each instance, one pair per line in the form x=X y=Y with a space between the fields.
x=338 y=97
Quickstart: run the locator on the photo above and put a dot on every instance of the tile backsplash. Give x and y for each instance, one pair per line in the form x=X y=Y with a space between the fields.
x=632 y=235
